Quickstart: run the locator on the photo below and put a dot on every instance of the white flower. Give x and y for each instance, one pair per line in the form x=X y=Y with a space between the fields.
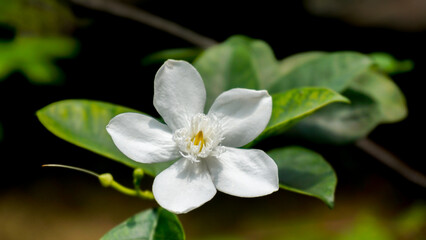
x=205 y=144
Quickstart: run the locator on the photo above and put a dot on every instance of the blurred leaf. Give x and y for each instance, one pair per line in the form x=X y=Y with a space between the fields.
x=412 y=222
x=232 y=64
x=385 y=92
x=331 y=70
x=42 y=73
x=290 y=63
x=291 y=106
x=388 y=64
x=187 y=54
x=35 y=18
x=340 y=123
x=34 y=57
x=83 y=123
x=304 y=171
x=151 y=224
x=367 y=226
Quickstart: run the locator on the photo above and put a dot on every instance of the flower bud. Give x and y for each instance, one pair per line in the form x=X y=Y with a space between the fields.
x=137 y=177
x=106 y=179
x=138 y=173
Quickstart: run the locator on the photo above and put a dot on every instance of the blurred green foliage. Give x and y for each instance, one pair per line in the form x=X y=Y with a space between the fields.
x=388 y=64
x=37 y=17
x=34 y=57
x=41 y=36
x=412 y=222
x=367 y=226
x=353 y=223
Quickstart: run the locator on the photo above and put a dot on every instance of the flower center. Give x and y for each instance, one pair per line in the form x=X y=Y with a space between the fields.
x=200 y=138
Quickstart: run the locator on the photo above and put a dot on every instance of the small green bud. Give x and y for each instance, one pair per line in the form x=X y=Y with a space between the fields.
x=138 y=173
x=106 y=179
x=137 y=177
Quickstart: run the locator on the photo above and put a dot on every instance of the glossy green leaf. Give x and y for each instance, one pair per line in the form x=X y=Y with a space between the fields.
x=250 y=63
x=331 y=70
x=385 y=92
x=231 y=64
x=83 y=123
x=340 y=123
x=187 y=54
x=388 y=64
x=152 y=224
x=291 y=106
x=304 y=171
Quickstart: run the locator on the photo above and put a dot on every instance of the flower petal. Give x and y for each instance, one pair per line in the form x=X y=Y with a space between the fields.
x=244 y=113
x=183 y=186
x=179 y=93
x=142 y=138
x=244 y=172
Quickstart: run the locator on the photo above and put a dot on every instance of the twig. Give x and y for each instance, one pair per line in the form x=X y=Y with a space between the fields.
x=391 y=161
x=130 y=12
x=73 y=168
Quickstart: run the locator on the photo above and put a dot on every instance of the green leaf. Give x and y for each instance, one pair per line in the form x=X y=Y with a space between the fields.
x=385 y=92
x=83 y=123
x=331 y=70
x=340 y=123
x=231 y=64
x=388 y=64
x=187 y=54
x=152 y=224
x=292 y=62
x=249 y=63
x=291 y=106
x=304 y=171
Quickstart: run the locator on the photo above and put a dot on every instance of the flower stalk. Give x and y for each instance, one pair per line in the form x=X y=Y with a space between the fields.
x=107 y=180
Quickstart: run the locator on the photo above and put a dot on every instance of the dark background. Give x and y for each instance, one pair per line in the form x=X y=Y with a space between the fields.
x=108 y=68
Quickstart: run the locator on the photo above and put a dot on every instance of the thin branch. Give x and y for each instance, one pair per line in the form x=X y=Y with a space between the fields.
x=390 y=160
x=73 y=168
x=136 y=14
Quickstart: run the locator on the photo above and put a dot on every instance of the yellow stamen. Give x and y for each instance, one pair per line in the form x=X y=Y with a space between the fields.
x=199 y=140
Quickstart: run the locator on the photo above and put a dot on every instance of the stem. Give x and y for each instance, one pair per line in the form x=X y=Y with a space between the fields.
x=111 y=182
x=132 y=192
x=73 y=168
x=127 y=11
x=390 y=160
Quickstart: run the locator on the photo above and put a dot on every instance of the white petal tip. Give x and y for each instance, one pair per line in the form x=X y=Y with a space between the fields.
x=170 y=63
